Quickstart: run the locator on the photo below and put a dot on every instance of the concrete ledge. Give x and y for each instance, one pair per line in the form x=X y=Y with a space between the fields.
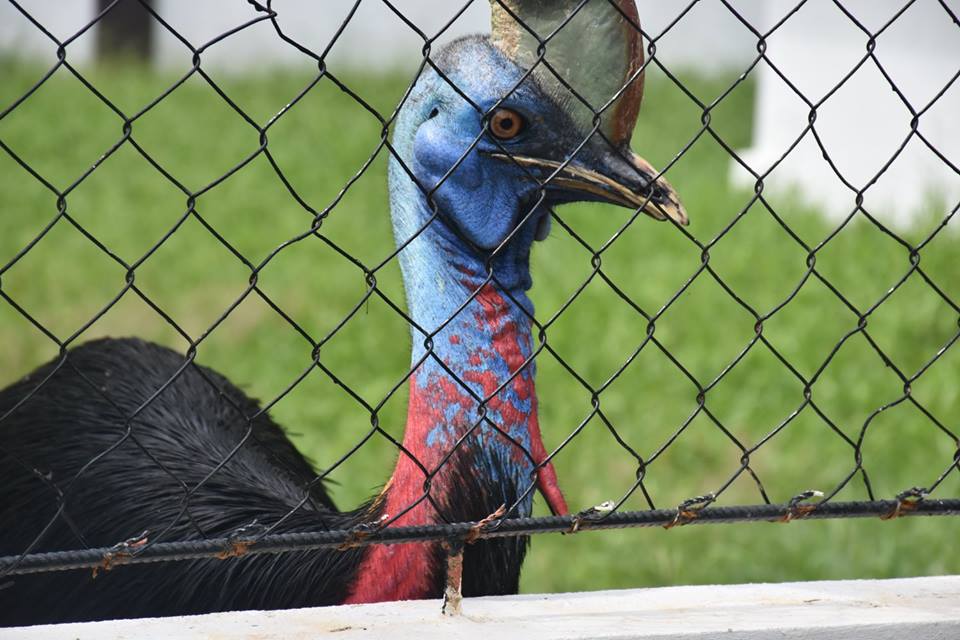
x=915 y=608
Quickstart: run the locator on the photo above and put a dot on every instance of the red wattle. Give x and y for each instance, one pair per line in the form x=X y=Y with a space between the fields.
x=546 y=475
x=550 y=489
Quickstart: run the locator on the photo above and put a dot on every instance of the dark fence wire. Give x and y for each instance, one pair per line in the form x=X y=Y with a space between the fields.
x=696 y=510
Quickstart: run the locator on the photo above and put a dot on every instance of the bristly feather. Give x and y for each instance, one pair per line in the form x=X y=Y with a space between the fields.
x=174 y=443
x=140 y=485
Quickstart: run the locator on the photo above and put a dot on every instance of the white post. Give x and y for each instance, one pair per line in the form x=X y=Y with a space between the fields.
x=862 y=125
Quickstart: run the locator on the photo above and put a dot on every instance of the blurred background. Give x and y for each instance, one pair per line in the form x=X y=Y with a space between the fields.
x=885 y=133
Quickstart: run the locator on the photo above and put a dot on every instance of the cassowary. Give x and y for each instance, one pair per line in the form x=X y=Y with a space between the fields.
x=66 y=437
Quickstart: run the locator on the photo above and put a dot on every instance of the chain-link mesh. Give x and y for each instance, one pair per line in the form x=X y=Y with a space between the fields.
x=607 y=404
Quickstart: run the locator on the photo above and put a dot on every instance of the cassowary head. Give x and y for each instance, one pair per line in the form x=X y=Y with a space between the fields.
x=498 y=134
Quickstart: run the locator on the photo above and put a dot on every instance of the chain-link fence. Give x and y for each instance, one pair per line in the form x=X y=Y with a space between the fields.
x=470 y=381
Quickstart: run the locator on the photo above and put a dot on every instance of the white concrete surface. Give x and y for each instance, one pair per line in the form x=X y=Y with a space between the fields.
x=864 y=122
x=915 y=609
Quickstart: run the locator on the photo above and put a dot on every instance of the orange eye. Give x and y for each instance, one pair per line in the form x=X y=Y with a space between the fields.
x=506 y=124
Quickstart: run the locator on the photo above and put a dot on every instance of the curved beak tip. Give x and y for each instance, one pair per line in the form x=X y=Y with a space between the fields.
x=665 y=204
x=659 y=198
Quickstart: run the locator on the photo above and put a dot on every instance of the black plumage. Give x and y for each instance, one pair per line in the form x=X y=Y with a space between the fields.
x=140 y=478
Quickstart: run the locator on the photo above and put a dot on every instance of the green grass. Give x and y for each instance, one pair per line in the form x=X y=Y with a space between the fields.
x=128 y=206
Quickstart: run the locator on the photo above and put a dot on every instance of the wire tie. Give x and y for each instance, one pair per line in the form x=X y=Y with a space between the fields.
x=476 y=530
x=795 y=510
x=361 y=532
x=241 y=539
x=591 y=515
x=907 y=501
x=120 y=552
x=689 y=510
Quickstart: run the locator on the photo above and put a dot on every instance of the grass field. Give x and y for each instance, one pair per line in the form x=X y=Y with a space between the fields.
x=128 y=206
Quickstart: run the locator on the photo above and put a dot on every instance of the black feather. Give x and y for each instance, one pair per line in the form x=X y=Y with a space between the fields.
x=144 y=472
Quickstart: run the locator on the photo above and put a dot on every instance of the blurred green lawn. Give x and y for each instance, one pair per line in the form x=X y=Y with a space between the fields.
x=323 y=140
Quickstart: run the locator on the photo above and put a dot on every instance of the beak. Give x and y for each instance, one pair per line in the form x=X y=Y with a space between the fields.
x=625 y=179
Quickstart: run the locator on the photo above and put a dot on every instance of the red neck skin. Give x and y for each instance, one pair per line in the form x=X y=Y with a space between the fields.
x=404 y=571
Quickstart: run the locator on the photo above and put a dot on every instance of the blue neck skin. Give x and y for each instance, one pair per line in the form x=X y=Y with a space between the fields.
x=487 y=341
x=483 y=345
x=479 y=330
x=441 y=272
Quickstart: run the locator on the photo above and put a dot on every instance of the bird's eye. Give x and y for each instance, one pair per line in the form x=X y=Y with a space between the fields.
x=506 y=124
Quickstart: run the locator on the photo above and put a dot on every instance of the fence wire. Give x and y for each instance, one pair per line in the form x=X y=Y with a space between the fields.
x=156 y=546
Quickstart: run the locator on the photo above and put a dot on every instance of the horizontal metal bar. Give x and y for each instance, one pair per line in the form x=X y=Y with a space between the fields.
x=107 y=557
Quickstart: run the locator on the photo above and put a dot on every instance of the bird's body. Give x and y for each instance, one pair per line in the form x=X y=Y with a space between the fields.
x=140 y=485
x=199 y=459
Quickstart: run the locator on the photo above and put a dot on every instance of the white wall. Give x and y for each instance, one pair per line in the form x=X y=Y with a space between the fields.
x=709 y=37
x=61 y=18
x=861 y=125
x=375 y=37
x=864 y=122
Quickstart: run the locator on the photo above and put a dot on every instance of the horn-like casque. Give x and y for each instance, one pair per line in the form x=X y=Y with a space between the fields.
x=595 y=48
